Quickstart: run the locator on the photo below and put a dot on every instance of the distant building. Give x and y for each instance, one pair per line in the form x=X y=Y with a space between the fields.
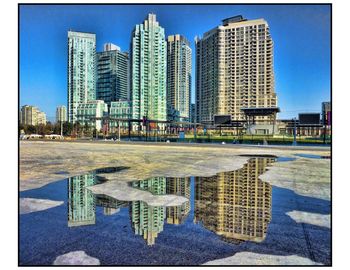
x=81 y=71
x=179 y=67
x=112 y=74
x=31 y=115
x=326 y=113
x=41 y=117
x=122 y=110
x=86 y=112
x=61 y=114
x=234 y=69
x=148 y=70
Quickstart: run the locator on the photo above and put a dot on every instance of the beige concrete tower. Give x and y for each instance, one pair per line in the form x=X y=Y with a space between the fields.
x=234 y=69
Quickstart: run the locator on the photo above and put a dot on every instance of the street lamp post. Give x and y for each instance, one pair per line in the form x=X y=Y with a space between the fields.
x=295 y=132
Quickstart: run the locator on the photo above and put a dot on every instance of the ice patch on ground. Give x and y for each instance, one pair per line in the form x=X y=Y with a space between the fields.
x=311 y=218
x=76 y=258
x=123 y=192
x=30 y=205
x=249 y=258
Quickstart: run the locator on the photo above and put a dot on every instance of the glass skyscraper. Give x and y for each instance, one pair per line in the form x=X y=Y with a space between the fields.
x=147 y=220
x=112 y=74
x=179 y=66
x=81 y=201
x=81 y=71
x=148 y=70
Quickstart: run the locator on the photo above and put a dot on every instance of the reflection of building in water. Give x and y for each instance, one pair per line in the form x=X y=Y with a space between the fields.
x=148 y=220
x=180 y=187
x=81 y=201
x=237 y=204
x=110 y=205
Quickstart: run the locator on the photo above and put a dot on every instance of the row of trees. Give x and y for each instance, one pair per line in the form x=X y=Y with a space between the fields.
x=68 y=129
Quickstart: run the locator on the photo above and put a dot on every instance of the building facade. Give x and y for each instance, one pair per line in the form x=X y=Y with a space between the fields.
x=31 y=115
x=148 y=70
x=61 y=114
x=193 y=113
x=121 y=110
x=81 y=71
x=148 y=221
x=326 y=113
x=236 y=204
x=112 y=74
x=234 y=69
x=180 y=187
x=81 y=201
x=41 y=118
x=86 y=112
x=179 y=66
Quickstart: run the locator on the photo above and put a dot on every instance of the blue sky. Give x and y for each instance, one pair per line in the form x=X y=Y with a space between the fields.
x=301 y=35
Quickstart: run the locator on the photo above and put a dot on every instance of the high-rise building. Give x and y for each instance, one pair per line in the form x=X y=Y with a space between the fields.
x=180 y=187
x=179 y=65
x=112 y=74
x=81 y=71
x=41 y=118
x=148 y=70
x=31 y=115
x=147 y=220
x=236 y=204
x=81 y=201
x=234 y=69
x=61 y=114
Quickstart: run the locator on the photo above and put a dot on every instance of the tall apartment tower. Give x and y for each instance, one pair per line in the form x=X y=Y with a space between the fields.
x=179 y=65
x=81 y=71
x=112 y=74
x=148 y=70
x=180 y=187
x=236 y=204
x=61 y=114
x=234 y=69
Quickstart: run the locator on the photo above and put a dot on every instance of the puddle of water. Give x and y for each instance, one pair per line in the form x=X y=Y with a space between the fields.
x=225 y=213
x=277 y=159
x=284 y=159
x=111 y=169
x=62 y=172
x=312 y=156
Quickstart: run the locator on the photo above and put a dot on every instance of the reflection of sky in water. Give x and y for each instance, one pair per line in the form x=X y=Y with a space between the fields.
x=312 y=156
x=226 y=213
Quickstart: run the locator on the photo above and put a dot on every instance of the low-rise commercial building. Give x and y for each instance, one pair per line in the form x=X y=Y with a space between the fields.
x=120 y=110
x=91 y=112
